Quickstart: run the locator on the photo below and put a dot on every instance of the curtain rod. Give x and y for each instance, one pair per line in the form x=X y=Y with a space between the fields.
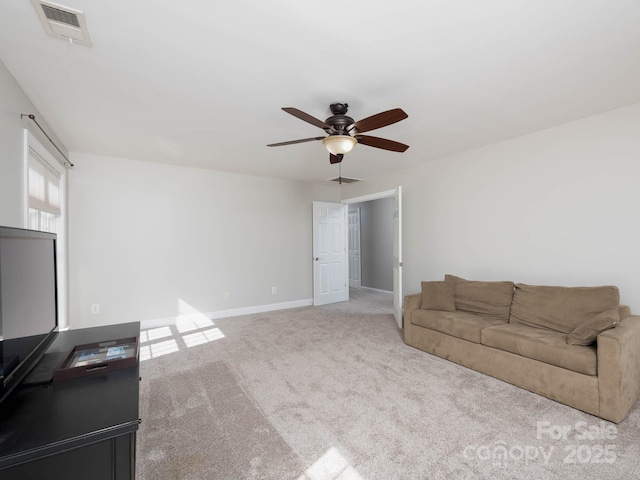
x=33 y=117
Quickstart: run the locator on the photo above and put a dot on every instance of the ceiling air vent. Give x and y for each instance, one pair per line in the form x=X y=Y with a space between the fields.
x=344 y=180
x=63 y=22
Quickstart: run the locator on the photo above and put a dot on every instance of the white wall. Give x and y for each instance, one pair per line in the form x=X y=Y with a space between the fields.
x=13 y=103
x=149 y=241
x=559 y=207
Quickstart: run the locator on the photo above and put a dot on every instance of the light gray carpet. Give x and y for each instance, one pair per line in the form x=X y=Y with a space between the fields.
x=332 y=393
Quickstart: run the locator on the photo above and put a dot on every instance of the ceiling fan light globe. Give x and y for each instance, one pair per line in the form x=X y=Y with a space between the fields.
x=339 y=144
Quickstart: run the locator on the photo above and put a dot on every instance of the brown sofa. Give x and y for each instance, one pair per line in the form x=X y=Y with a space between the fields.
x=575 y=345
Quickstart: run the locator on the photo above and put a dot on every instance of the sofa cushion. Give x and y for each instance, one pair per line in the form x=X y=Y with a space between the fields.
x=438 y=296
x=457 y=324
x=587 y=332
x=489 y=299
x=561 y=309
x=544 y=345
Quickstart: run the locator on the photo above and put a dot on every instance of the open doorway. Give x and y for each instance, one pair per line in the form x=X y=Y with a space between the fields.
x=371 y=245
x=396 y=241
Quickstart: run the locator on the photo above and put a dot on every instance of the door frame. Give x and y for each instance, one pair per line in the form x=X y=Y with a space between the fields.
x=357 y=283
x=376 y=196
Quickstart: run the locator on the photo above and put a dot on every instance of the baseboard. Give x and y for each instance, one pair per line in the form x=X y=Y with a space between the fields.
x=236 y=312
x=375 y=289
x=233 y=312
x=157 y=322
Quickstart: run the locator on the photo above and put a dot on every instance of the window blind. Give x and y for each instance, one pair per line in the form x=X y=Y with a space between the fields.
x=44 y=184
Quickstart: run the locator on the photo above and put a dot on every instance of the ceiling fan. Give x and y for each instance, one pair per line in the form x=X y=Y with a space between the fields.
x=344 y=132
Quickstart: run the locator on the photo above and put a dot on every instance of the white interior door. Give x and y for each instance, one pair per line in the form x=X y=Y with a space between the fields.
x=330 y=272
x=354 y=249
x=397 y=256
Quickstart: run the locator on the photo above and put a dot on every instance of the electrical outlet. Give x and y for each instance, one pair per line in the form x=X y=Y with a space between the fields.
x=274 y=290
x=95 y=308
x=227 y=295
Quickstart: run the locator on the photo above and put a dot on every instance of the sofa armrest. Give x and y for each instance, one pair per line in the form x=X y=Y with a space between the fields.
x=624 y=311
x=411 y=304
x=619 y=368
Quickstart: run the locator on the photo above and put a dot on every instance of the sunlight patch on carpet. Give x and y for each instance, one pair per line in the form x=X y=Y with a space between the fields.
x=331 y=466
x=199 y=338
x=158 y=349
x=190 y=318
x=192 y=328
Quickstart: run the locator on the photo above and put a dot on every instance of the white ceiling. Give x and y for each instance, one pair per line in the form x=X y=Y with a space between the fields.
x=201 y=82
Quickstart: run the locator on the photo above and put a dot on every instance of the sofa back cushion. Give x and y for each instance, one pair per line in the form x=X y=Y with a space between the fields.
x=489 y=299
x=561 y=309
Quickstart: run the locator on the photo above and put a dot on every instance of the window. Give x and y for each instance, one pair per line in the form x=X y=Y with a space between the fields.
x=45 y=184
x=44 y=193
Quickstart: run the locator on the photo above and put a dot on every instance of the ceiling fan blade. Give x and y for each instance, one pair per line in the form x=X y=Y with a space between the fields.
x=291 y=142
x=335 y=158
x=380 y=120
x=306 y=117
x=382 y=143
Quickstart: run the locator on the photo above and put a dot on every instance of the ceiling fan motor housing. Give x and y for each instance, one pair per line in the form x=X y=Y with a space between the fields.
x=339 y=124
x=339 y=121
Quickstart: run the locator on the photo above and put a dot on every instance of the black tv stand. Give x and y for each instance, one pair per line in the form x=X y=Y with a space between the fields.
x=73 y=429
x=42 y=373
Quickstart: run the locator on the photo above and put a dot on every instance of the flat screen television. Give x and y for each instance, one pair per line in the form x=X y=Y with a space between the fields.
x=28 y=302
